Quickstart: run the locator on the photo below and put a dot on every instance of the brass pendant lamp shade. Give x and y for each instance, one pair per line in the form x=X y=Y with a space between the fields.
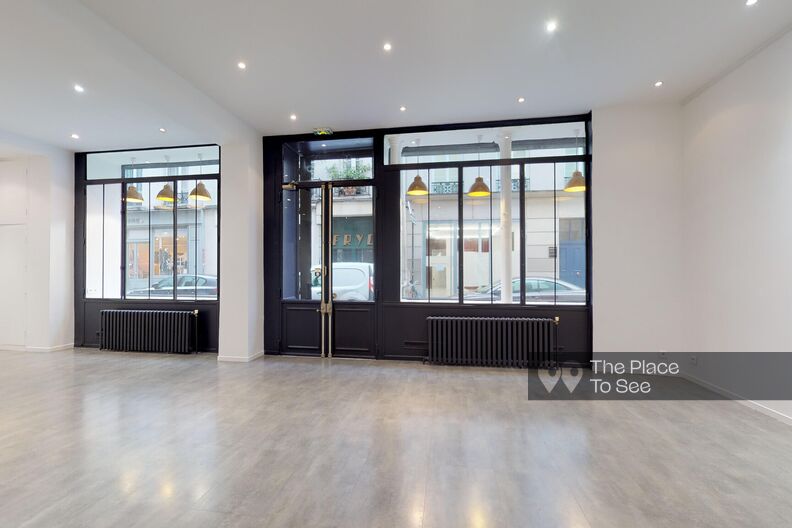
x=576 y=183
x=133 y=195
x=479 y=188
x=417 y=187
x=166 y=194
x=200 y=194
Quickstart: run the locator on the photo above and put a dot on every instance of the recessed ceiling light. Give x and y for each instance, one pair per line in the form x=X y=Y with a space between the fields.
x=162 y=130
x=241 y=65
x=521 y=99
x=658 y=84
x=324 y=145
x=551 y=26
x=402 y=109
x=293 y=117
x=750 y=2
x=78 y=88
x=413 y=142
x=387 y=46
x=75 y=136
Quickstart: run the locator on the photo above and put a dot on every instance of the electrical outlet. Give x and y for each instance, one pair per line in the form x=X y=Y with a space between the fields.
x=694 y=359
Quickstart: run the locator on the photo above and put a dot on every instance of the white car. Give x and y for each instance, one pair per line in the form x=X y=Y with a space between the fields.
x=352 y=281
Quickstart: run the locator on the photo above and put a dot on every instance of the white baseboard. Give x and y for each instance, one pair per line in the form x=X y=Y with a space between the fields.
x=739 y=399
x=20 y=348
x=240 y=359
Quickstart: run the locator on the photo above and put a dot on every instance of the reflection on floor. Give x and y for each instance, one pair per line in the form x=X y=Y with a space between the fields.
x=91 y=438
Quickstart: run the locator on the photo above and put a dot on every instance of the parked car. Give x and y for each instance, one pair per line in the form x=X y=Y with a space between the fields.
x=352 y=281
x=537 y=290
x=187 y=285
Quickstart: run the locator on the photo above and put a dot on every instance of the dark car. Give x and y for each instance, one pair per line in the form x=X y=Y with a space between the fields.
x=200 y=286
x=537 y=290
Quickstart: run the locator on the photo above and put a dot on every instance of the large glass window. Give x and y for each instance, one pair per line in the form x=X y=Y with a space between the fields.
x=169 y=219
x=523 y=240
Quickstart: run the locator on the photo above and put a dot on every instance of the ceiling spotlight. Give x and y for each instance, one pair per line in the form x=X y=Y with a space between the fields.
x=387 y=46
x=162 y=130
x=521 y=99
x=78 y=88
x=658 y=84
x=241 y=65
x=75 y=136
x=324 y=145
x=402 y=109
x=551 y=26
x=293 y=117
x=749 y=3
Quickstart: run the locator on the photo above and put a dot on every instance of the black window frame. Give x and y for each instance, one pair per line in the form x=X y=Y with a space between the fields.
x=397 y=170
x=82 y=180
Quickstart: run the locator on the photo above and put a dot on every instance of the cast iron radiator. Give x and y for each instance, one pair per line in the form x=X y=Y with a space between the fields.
x=148 y=330
x=493 y=341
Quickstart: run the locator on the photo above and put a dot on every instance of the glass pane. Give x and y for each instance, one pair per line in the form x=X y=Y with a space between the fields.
x=186 y=220
x=162 y=243
x=302 y=239
x=112 y=241
x=556 y=139
x=196 y=240
x=540 y=233
x=491 y=251
x=352 y=251
x=138 y=210
x=328 y=159
x=414 y=219
x=206 y=240
x=154 y=163
x=429 y=235
x=103 y=241
x=477 y=213
x=94 y=233
x=571 y=214
x=340 y=169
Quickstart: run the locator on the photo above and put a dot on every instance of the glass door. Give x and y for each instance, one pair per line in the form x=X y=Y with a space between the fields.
x=328 y=269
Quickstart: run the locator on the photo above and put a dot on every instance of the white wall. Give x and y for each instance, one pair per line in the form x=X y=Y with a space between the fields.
x=36 y=237
x=738 y=188
x=638 y=292
x=738 y=196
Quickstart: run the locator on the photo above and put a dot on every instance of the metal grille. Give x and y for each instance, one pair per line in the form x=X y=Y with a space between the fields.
x=148 y=330
x=493 y=341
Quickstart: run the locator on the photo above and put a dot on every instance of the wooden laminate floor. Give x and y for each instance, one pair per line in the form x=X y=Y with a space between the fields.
x=95 y=439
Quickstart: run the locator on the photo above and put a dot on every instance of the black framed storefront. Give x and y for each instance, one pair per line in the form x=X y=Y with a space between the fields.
x=164 y=281
x=387 y=326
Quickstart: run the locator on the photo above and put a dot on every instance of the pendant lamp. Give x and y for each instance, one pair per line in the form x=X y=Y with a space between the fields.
x=576 y=183
x=479 y=187
x=133 y=195
x=166 y=194
x=418 y=187
x=199 y=193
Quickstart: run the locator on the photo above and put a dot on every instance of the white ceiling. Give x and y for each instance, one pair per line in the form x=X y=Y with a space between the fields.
x=152 y=63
